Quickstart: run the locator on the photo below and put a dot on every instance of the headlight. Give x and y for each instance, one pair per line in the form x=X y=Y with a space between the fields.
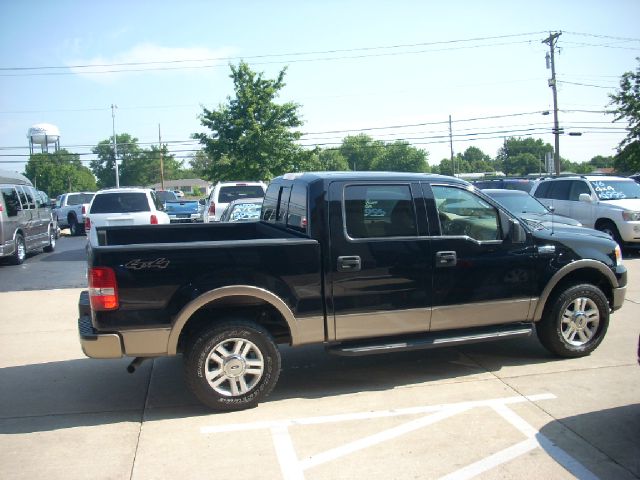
x=618 y=255
x=630 y=216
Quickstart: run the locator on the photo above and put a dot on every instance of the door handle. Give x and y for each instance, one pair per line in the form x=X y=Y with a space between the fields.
x=446 y=259
x=349 y=264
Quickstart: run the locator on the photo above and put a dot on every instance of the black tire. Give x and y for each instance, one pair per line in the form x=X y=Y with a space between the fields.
x=74 y=227
x=610 y=229
x=52 y=240
x=20 y=252
x=575 y=321
x=237 y=385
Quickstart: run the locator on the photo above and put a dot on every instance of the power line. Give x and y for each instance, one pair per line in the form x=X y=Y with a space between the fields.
x=292 y=54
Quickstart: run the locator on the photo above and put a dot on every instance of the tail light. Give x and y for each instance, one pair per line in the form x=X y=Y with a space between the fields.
x=154 y=220
x=212 y=209
x=87 y=223
x=84 y=209
x=103 y=289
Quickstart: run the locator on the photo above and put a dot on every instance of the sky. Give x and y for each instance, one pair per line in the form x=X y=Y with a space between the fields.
x=395 y=70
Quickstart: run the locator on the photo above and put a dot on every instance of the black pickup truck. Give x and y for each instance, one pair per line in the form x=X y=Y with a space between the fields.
x=363 y=263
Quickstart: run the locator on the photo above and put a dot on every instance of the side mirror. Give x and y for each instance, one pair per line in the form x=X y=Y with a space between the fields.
x=517 y=233
x=202 y=201
x=585 y=197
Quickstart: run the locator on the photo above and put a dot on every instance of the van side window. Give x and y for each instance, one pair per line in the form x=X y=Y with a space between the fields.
x=23 y=197
x=11 y=201
x=462 y=213
x=379 y=211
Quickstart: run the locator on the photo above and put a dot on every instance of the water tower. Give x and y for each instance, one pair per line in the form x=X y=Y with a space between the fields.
x=44 y=134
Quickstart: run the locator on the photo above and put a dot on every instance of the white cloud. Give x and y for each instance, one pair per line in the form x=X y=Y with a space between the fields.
x=148 y=58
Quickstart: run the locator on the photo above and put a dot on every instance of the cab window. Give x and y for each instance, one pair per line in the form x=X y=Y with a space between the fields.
x=379 y=211
x=463 y=213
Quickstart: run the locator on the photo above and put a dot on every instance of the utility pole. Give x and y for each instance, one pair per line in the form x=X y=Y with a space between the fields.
x=453 y=167
x=161 y=160
x=551 y=40
x=115 y=143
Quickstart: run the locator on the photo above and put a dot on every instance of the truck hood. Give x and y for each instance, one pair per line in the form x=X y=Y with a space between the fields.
x=186 y=206
x=624 y=203
x=563 y=230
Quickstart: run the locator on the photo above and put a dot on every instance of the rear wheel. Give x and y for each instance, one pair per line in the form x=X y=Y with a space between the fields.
x=232 y=365
x=74 y=227
x=20 y=252
x=575 y=321
x=52 y=240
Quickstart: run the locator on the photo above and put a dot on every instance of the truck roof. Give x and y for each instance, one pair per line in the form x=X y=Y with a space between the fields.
x=311 y=177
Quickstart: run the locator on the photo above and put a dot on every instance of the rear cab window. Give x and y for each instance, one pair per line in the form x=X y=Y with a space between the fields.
x=120 y=202
x=229 y=193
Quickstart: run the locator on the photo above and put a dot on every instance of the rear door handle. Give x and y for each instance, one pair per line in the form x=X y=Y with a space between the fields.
x=349 y=264
x=446 y=259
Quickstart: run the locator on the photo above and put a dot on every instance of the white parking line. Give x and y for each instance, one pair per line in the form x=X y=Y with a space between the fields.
x=293 y=468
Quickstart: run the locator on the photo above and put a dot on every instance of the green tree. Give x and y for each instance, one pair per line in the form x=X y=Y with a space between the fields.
x=628 y=159
x=251 y=136
x=627 y=102
x=602 y=162
x=103 y=167
x=59 y=172
x=400 y=156
x=144 y=167
x=331 y=160
x=361 y=152
x=477 y=160
x=521 y=164
x=514 y=146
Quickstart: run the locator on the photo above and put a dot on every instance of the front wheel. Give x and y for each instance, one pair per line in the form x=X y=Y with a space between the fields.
x=20 y=252
x=610 y=229
x=232 y=365
x=575 y=322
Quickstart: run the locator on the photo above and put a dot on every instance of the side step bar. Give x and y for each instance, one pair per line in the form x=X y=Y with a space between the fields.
x=432 y=340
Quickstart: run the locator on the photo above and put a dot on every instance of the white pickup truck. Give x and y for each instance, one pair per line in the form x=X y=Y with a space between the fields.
x=70 y=210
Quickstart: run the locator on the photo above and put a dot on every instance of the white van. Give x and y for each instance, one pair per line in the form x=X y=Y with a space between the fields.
x=26 y=223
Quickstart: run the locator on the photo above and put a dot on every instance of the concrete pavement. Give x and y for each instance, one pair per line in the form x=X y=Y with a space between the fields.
x=497 y=410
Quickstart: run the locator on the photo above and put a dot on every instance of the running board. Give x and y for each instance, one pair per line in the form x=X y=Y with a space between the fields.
x=432 y=340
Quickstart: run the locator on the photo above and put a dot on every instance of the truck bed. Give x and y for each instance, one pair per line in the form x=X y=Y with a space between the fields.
x=190 y=233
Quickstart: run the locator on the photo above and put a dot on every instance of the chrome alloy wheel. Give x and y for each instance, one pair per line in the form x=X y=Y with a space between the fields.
x=580 y=321
x=21 y=250
x=234 y=367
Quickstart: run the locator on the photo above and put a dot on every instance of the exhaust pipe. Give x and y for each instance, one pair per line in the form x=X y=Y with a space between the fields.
x=135 y=364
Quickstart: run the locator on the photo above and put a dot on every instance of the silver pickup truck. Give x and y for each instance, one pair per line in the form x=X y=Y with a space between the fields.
x=70 y=210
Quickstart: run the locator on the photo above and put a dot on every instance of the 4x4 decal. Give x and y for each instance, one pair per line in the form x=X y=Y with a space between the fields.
x=139 y=264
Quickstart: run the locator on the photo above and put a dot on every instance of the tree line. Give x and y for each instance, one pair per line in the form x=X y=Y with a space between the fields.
x=251 y=136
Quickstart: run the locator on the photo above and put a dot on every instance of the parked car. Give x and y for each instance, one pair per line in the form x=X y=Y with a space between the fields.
x=358 y=262
x=179 y=193
x=607 y=203
x=71 y=209
x=524 y=206
x=508 y=183
x=125 y=206
x=226 y=192
x=242 y=210
x=25 y=220
x=183 y=211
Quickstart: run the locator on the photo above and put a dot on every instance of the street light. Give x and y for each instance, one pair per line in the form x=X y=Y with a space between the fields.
x=115 y=143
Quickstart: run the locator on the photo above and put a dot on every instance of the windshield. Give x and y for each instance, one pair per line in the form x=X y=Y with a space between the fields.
x=521 y=204
x=616 y=189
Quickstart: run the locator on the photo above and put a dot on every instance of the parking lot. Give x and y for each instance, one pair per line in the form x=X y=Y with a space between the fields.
x=495 y=410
